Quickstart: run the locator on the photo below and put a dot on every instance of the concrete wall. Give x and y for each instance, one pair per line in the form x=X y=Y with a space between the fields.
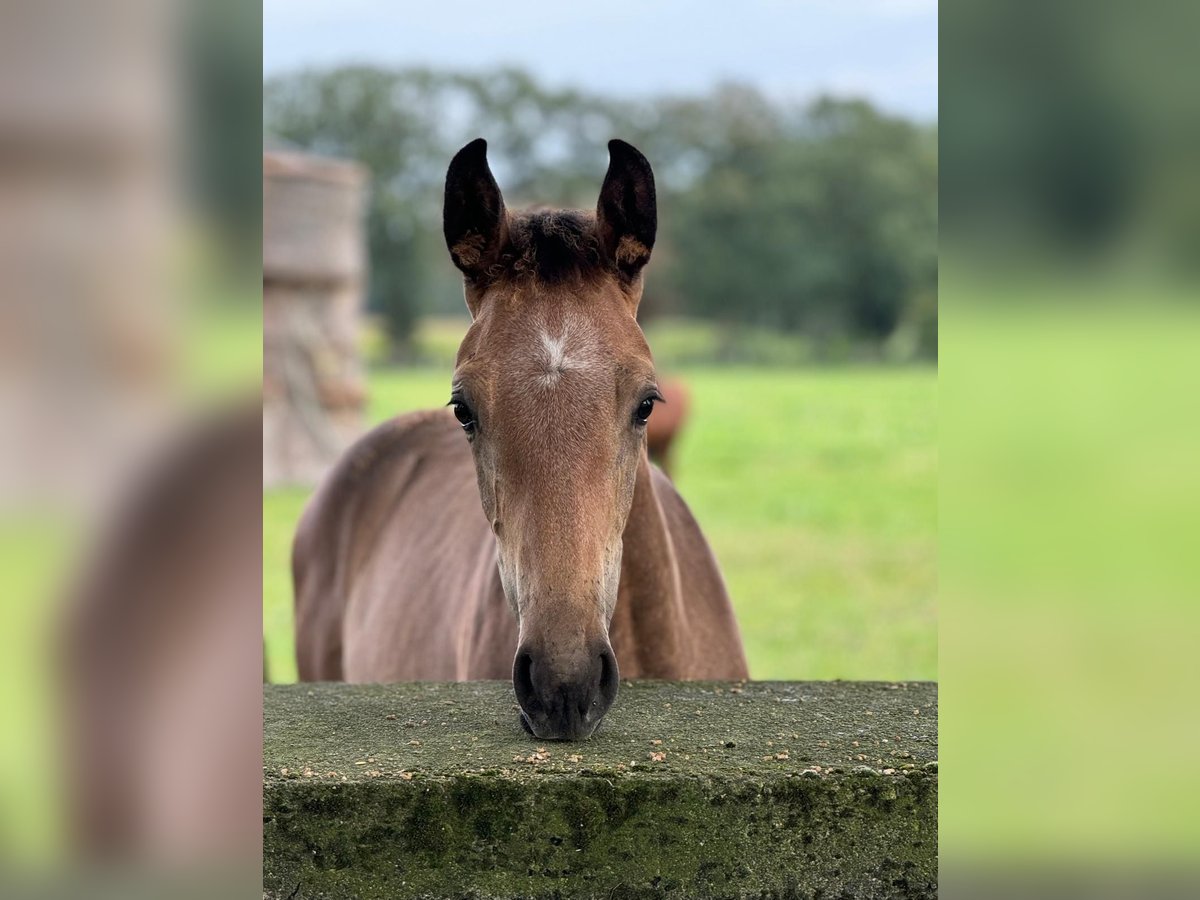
x=760 y=789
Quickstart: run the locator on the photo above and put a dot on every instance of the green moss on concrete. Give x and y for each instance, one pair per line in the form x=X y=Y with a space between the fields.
x=761 y=789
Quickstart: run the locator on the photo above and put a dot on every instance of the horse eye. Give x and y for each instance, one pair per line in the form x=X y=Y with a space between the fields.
x=643 y=411
x=465 y=417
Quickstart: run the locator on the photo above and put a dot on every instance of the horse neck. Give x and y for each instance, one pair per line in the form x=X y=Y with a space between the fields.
x=649 y=629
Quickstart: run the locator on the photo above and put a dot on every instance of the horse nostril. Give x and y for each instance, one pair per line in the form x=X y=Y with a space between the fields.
x=523 y=682
x=609 y=678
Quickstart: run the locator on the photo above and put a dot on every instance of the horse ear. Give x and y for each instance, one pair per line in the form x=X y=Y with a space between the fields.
x=473 y=216
x=627 y=213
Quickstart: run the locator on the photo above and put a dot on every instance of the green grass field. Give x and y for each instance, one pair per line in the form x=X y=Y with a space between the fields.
x=817 y=489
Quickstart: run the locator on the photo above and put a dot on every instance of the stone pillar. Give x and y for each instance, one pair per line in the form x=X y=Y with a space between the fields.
x=314 y=275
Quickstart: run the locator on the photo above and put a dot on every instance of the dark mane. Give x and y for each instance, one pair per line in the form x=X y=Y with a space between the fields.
x=553 y=245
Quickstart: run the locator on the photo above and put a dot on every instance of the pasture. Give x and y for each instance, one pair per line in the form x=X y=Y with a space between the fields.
x=817 y=489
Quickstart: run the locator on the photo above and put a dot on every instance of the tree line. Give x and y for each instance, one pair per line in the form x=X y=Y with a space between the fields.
x=817 y=219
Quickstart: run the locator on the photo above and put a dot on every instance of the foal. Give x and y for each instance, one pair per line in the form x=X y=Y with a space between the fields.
x=581 y=555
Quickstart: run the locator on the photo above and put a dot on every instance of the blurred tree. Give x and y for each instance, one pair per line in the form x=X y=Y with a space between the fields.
x=825 y=222
x=820 y=219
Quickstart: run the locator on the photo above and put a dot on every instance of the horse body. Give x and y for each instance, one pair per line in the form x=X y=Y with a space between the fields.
x=531 y=535
x=408 y=589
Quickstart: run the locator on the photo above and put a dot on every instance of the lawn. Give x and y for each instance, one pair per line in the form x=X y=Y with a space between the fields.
x=816 y=487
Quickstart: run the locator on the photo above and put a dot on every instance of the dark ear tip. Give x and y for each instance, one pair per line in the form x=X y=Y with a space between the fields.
x=624 y=155
x=476 y=150
x=618 y=148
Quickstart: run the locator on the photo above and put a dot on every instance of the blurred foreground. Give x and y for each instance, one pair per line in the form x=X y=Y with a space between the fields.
x=1070 y=492
x=130 y=648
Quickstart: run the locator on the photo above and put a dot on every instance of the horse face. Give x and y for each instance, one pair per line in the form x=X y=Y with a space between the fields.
x=553 y=387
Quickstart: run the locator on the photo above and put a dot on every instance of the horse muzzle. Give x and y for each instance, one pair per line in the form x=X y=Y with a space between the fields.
x=564 y=702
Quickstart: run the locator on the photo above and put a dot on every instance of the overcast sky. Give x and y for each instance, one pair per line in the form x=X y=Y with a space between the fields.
x=885 y=50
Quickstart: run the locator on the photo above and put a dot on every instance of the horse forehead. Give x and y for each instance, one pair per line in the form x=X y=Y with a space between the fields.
x=573 y=344
x=552 y=346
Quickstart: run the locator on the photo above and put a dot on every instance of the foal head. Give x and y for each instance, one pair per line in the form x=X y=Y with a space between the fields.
x=553 y=387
